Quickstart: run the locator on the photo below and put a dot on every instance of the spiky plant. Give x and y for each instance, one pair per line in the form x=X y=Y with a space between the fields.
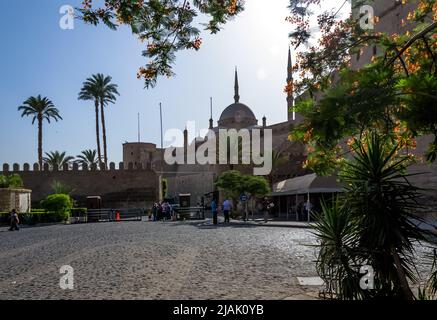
x=56 y=158
x=88 y=157
x=379 y=196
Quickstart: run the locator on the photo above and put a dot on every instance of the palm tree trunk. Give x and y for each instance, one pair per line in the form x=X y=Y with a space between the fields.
x=40 y=142
x=99 y=152
x=105 y=151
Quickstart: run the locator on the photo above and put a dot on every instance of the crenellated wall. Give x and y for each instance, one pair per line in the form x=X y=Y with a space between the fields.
x=118 y=187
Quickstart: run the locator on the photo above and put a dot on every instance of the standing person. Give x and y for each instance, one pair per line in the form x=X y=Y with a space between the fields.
x=227 y=206
x=308 y=206
x=154 y=211
x=214 y=212
x=159 y=211
x=268 y=207
x=15 y=221
x=167 y=210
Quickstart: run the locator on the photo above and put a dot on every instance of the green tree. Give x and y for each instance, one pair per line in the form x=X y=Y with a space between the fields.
x=234 y=184
x=40 y=109
x=393 y=93
x=88 y=157
x=56 y=158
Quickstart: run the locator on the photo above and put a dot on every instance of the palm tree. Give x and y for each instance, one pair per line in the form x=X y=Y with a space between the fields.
x=278 y=159
x=40 y=109
x=88 y=157
x=91 y=92
x=57 y=159
x=108 y=95
x=100 y=89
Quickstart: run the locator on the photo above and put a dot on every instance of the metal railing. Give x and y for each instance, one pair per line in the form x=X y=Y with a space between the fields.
x=193 y=213
x=111 y=215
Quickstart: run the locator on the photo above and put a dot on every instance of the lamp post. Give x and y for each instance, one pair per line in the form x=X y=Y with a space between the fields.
x=161 y=195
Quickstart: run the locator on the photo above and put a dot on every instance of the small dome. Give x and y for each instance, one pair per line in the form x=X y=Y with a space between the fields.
x=238 y=112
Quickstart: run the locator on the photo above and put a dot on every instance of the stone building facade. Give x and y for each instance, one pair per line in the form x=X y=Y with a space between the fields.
x=18 y=199
x=199 y=180
x=392 y=19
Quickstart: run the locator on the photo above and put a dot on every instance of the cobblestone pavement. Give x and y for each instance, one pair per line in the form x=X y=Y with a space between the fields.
x=144 y=260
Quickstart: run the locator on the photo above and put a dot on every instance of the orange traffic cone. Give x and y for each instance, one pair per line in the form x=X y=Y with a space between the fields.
x=117 y=216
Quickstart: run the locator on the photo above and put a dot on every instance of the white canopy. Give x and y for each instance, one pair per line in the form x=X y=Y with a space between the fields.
x=308 y=184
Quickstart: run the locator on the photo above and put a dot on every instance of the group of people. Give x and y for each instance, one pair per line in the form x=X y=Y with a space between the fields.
x=162 y=212
x=226 y=208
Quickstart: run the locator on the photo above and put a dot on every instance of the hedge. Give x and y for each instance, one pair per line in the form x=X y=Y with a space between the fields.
x=42 y=216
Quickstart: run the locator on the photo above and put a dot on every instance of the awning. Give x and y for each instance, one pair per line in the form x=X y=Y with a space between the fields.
x=307 y=184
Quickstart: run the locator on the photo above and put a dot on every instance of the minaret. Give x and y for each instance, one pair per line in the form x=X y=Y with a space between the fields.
x=211 y=120
x=290 y=96
x=236 y=87
x=185 y=141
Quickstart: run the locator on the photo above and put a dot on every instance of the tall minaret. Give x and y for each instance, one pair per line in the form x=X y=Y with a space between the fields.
x=236 y=87
x=290 y=95
x=211 y=120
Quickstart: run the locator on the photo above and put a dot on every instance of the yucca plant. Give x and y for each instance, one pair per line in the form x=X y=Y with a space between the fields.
x=338 y=260
x=379 y=196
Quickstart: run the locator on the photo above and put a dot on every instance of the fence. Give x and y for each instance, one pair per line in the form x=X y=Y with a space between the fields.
x=109 y=215
x=195 y=213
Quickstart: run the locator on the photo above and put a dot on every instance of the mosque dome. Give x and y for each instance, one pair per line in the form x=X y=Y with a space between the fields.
x=237 y=113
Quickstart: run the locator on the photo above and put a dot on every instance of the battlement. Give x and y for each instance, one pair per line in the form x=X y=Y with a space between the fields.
x=16 y=168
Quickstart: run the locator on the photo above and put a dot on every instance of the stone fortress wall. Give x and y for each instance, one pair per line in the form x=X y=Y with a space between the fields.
x=122 y=187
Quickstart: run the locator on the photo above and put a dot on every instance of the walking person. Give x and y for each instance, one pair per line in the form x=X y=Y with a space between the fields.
x=15 y=221
x=214 y=212
x=227 y=206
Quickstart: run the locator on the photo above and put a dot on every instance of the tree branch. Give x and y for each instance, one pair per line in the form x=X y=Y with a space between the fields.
x=411 y=41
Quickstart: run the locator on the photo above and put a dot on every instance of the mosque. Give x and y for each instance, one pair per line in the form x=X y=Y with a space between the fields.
x=199 y=180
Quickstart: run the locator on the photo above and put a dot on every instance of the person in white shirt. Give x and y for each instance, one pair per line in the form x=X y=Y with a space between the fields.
x=227 y=206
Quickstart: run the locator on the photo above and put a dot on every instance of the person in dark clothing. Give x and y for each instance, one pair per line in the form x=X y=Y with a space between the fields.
x=167 y=211
x=155 y=212
x=15 y=221
x=160 y=212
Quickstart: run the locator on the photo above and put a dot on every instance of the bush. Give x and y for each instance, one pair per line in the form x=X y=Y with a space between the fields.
x=13 y=181
x=60 y=188
x=38 y=216
x=59 y=204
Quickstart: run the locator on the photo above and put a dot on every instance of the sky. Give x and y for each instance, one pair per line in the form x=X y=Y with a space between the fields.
x=38 y=57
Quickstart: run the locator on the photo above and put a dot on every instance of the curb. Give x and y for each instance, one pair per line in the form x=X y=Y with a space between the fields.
x=273 y=224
